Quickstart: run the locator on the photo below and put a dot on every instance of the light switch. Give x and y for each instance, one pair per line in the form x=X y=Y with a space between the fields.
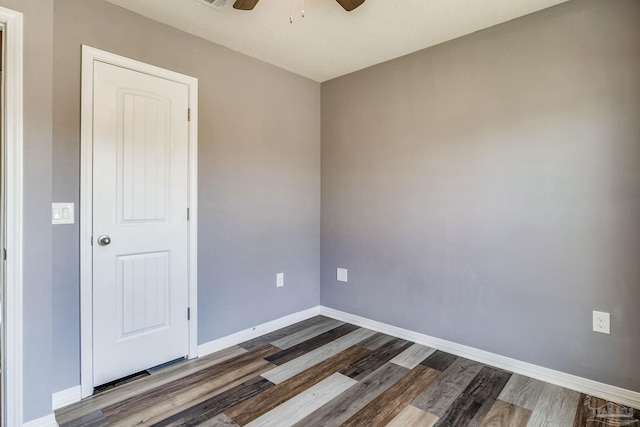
x=62 y=213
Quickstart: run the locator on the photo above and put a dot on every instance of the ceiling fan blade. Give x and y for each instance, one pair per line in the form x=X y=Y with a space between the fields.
x=348 y=5
x=245 y=4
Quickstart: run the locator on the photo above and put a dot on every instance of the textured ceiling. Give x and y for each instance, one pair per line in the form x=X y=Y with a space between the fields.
x=329 y=42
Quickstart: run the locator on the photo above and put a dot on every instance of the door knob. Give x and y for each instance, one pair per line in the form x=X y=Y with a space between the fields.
x=104 y=240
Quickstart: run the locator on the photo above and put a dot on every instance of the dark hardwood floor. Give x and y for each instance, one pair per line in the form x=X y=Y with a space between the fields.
x=322 y=372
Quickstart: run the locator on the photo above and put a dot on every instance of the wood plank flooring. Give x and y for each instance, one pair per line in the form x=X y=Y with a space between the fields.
x=323 y=372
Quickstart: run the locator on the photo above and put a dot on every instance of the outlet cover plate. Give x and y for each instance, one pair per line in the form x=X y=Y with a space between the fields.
x=280 y=280
x=601 y=322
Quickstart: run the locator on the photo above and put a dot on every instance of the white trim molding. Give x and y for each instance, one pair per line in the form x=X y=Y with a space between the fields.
x=48 y=421
x=256 y=331
x=12 y=374
x=572 y=382
x=89 y=57
x=63 y=398
x=74 y=394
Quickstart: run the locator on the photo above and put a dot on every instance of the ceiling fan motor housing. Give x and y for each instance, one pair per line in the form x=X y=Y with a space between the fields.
x=216 y=4
x=348 y=5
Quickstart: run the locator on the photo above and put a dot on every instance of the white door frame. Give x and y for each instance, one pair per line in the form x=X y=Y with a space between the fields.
x=13 y=143
x=89 y=55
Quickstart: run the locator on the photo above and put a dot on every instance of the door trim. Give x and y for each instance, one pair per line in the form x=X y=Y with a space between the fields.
x=12 y=375
x=13 y=187
x=89 y=56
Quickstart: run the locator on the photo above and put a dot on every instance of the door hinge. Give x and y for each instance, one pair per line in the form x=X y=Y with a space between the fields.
x=188 y=114
x=188 y=214
x=4 y=253
x=188 y=313
x=91 y=240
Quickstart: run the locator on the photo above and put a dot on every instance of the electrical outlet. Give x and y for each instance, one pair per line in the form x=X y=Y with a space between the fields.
x=280 y=280
x=341 y=275
x=601 y=322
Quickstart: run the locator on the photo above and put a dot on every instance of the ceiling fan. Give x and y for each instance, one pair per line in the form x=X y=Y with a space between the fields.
x=348 y=5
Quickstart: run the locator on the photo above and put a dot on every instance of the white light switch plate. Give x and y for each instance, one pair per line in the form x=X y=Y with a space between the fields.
x=62 y=213
x=341 y=274
x=280 y=280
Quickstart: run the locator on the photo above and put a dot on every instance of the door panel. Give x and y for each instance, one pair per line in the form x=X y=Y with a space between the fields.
x=145 y=189
x=143 y=286
x=140 y=279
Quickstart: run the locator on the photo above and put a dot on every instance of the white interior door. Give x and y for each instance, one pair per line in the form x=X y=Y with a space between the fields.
x=140 y=199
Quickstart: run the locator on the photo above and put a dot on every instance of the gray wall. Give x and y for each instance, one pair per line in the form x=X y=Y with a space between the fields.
x=483 y=191
x=38 y=33
x=487 y=191
x=259 y=174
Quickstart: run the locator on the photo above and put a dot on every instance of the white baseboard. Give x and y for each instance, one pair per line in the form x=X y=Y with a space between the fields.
x=572 y=382
x=48 y=421
x=256 y=331
x=66 y=397
x=74 y=394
